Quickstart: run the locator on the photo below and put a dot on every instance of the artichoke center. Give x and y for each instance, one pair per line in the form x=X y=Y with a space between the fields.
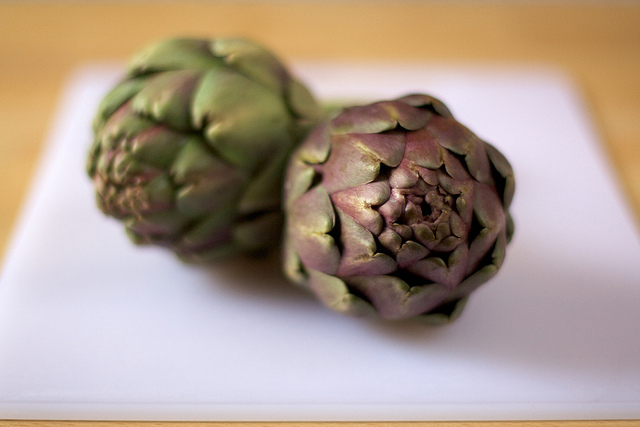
x=430 y=207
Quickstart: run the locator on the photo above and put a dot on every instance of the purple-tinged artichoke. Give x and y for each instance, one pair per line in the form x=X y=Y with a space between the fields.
x=190 y=147
x=396 y=208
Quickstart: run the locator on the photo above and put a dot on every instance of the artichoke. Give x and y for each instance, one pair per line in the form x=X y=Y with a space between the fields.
x=190 y=147
x=396 y=209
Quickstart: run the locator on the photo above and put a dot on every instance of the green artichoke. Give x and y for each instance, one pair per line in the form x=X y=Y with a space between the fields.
x=396 y=208
x=190 y=147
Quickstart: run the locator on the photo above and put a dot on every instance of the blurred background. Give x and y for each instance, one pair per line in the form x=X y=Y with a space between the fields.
x=596 y=42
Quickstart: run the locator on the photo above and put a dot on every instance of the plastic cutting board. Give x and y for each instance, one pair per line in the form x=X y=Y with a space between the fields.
x=92 y=327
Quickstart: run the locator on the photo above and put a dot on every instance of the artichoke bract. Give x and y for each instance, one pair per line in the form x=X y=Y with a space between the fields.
x=190 y=147
x=396 y=209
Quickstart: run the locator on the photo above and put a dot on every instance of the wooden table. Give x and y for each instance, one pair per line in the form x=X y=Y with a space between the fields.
x=596 y=43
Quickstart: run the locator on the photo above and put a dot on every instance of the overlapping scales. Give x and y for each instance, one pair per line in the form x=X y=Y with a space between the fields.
x=190 y=147
x=396 y=208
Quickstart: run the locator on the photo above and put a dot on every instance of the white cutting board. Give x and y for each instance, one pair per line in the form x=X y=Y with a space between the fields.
x=92 y=327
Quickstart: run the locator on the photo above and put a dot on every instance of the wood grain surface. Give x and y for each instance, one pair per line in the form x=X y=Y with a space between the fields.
x=597 y=43
x=594 y=423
